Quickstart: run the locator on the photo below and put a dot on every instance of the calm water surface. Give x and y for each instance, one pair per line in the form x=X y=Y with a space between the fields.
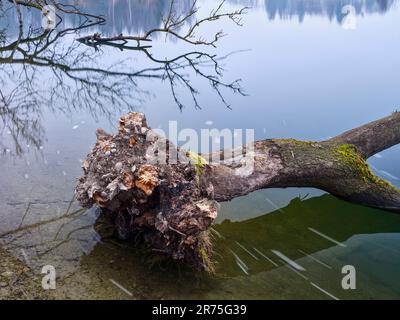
x=308 y=73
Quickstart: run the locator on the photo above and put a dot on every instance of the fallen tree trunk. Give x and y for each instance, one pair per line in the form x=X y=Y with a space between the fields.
x=337 y=166
x=168 y=196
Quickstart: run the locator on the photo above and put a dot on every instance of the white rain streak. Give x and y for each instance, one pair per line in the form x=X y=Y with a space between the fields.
x=324 y=291
x=240 y=263
x=384 y=172
x=288 y=260
x=389 y=175
x=297 y=272
x=25 y=257
x=219 y=235
x=265 y=256
x=373 y=167
x=327 y=237
x=121 y=287
x=274 y=204
x=242 y=267
x=245 y=249
x=315 y=259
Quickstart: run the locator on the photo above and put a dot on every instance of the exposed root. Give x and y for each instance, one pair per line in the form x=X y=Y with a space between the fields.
x=161 y=202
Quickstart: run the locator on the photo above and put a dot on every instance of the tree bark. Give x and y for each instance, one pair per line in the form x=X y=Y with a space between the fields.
x=171 y=201
x=337 y=166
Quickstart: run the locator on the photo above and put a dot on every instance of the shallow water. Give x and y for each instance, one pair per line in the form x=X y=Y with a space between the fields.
x=307 y=76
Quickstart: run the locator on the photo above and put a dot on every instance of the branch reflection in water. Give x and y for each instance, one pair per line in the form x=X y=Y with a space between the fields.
x=49 y=70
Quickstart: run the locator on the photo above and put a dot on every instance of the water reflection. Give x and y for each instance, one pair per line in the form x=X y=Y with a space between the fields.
x=122 y=16
x=332 y=9
x=290 y=253
x=136 y=16
x=49 y=70
x=40 y=72
x=128 y=16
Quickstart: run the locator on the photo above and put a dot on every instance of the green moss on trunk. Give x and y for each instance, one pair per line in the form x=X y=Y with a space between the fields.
x=348 y=153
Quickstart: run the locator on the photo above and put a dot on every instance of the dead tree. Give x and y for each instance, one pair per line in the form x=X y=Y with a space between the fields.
x=168 y=196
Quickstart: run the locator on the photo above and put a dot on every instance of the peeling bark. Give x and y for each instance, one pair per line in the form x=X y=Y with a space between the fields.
x=128 y=175
x=171 y=203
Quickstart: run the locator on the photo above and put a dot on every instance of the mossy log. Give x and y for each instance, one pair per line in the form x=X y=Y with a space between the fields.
x=172 y=203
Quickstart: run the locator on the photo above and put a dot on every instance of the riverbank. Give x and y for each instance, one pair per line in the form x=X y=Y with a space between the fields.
x=18 y=281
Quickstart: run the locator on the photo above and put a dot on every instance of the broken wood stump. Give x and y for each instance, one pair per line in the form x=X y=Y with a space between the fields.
x=132 y=178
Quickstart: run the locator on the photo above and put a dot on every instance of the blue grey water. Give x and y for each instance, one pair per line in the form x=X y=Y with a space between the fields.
x=310 y=70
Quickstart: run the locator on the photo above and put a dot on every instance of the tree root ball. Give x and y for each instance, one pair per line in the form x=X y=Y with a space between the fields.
x=132 y=177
